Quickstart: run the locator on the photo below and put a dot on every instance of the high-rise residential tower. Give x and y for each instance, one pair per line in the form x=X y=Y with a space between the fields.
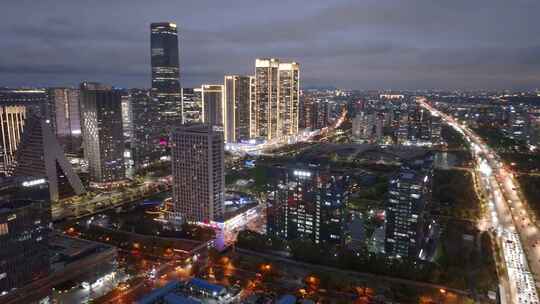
x=276 y=98
x=212 y=100
x=288 y=98
x=166 y=93
x=266 y=98
x=197 y=158
x=103 y=138
x=236 y=108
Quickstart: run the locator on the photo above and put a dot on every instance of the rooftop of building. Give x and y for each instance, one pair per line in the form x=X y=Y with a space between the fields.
x=286 y=299
x=197 y=128
x=66 y=249
x=202 y=284
x=186 y=293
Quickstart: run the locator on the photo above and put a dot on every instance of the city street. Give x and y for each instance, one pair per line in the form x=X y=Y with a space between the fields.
x=518 y=236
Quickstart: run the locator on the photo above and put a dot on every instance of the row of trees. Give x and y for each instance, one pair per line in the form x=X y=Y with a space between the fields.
x=341 y=257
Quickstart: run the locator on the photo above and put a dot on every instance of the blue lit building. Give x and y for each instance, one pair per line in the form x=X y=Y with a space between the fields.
x=191 y=292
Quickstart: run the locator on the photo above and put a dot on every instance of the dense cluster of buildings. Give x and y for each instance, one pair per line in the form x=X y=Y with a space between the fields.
x=107 y=132
x=312 y=203
x=518 y=117
x=395 y=119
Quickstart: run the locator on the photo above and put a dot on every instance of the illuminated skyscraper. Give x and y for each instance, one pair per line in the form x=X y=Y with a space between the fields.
x=191 y=105
x=197 y=158
x=406 y=209
x=288 y=98
x=12 y=120
x=309 y=204
x=146 y=146
x=252 y=107
x=276 y=98
x=127 y=117
x=266 y=98
x=15 y=104
x=212 y=100
x=64 y=104
x=236 y=108
x=166 y=92
x=103 y=138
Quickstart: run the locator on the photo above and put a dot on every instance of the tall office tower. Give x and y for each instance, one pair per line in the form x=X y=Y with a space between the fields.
x=191 y=105
x=103 y=138
x=309 y=204
x=25 y=218
x=212 y=100
x=236 y=105
x=127 y=117
x=12 y=120
x=197 y=153
x=147 y=145
x=276 y=98
x=66 y=122
x=40 y=155
x=166 y=92
x=406 y=208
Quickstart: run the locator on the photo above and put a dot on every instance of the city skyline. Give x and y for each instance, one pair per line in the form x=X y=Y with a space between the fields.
x=274 y=152
x=476 y=50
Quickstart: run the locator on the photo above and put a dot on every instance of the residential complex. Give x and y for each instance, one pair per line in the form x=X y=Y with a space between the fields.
x=276 y=104
x=236 y=108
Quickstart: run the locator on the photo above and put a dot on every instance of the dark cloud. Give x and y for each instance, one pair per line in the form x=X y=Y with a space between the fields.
x=352 y=44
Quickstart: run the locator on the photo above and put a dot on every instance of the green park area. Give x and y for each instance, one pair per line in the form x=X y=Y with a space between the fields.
x=530 y=187
x=496 y=139
x=455 y=196
x=453 y=139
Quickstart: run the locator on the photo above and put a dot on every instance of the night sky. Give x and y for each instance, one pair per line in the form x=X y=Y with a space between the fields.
x=360 y=44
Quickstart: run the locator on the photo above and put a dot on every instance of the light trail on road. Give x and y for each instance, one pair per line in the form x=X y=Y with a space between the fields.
x=517 y=234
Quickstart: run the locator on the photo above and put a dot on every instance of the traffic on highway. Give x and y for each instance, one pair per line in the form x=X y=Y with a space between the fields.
x=508 y=216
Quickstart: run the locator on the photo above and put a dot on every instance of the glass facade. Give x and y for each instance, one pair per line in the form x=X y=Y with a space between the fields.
x=166 y=91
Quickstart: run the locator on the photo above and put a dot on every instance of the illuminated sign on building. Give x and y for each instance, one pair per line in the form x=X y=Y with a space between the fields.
x=34 y=182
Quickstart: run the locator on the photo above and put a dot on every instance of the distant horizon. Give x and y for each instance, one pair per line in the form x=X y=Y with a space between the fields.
x=459 y=45
x=446 y=90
